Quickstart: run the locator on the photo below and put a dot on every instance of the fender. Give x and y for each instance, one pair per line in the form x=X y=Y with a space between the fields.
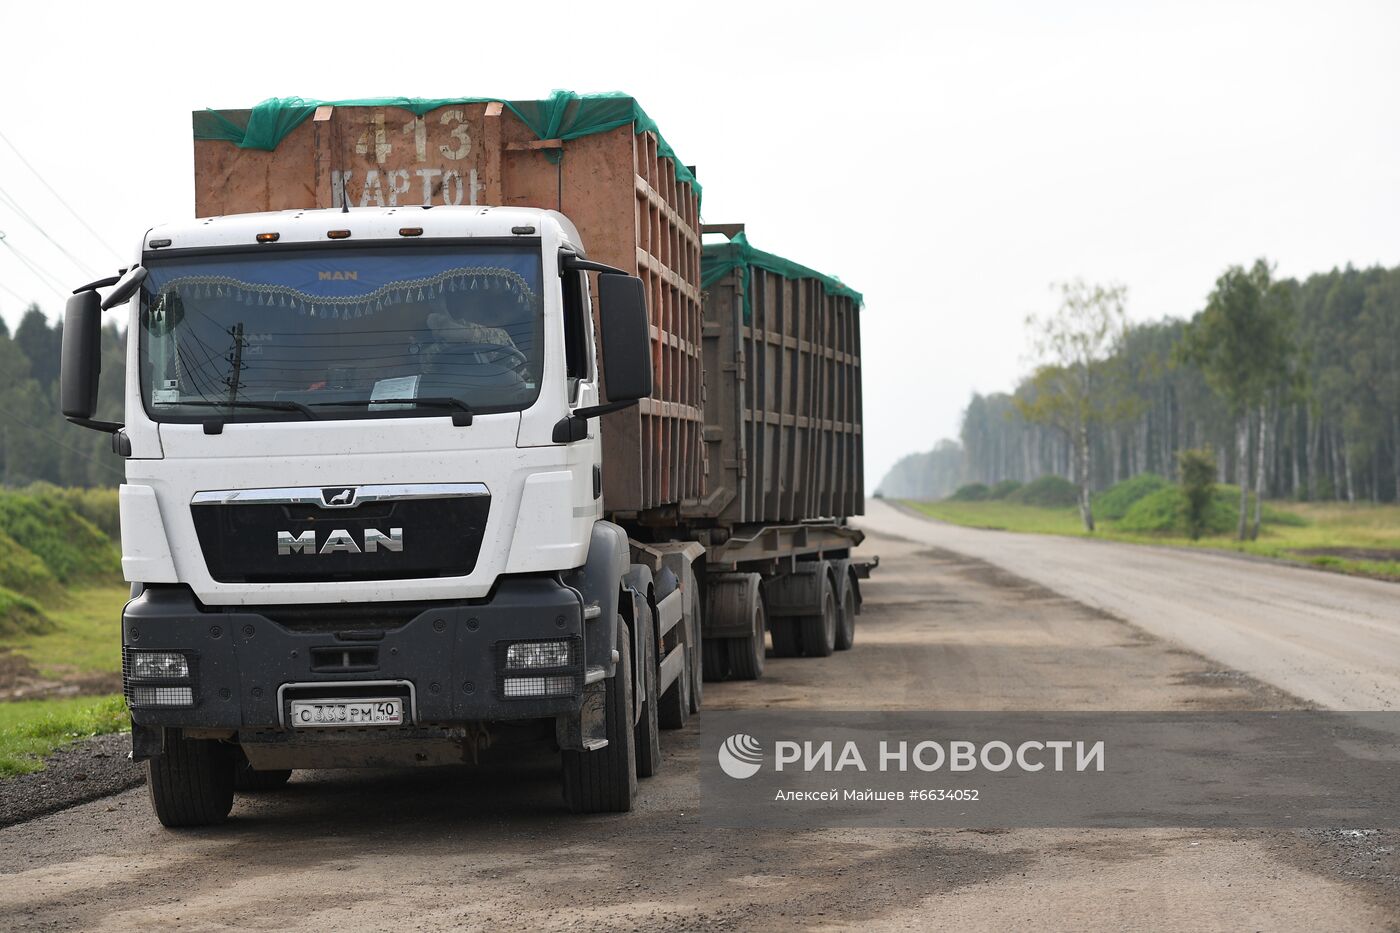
x=597 y=584
x=637 y=583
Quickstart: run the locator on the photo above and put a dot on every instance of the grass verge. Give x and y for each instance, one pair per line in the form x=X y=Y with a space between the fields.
x=84 y=637
x=31 y=729
x=1345 y=530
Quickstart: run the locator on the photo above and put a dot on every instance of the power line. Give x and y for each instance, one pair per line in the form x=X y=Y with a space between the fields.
x=58 y=197
x=82 y=453
x=48 y=278
x=9 y=200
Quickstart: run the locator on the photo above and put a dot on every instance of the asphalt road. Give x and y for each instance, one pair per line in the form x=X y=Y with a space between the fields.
x=1329 y=639
x=494 y=848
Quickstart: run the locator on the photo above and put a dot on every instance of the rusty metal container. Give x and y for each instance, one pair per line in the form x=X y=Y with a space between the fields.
x=783 y=427
x=633 y=206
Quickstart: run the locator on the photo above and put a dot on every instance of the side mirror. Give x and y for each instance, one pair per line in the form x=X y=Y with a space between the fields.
x=81 y=356
x=126 y=287
x=626 y=337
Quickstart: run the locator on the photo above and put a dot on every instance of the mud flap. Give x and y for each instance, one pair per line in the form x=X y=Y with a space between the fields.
x=588 y=731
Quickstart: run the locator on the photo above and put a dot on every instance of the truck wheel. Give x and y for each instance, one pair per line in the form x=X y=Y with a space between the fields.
x=247 y=778
x=716 y=654
x=746 y=653
x=787 y=642
x=647 y=732
x=819 y=631
x=191 y=784
x=605 y=781
x=696 y=659
x=846 y=601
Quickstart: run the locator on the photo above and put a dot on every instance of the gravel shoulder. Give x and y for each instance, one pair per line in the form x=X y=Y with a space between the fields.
x=74 y=774
x=494 y=847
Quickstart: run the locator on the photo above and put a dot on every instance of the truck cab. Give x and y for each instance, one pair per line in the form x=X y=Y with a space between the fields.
x=363 y=515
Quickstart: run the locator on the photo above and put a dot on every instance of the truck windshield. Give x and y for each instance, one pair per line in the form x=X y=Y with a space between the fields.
x=341 y=332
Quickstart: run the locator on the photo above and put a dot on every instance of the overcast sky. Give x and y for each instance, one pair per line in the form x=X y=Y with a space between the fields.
x=948 y=160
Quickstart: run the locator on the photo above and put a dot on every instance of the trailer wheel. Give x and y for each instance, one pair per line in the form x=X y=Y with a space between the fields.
x=246 y=778
x=696 y=658
x=736 y=600
x=846 y=602
x=647 y=731
x=716 y=654
x=605 y=781
x=787 y=641
x=819 y=631
x=191 y=784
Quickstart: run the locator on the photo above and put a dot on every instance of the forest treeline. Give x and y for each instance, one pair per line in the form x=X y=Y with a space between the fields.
x=1331 y=427
x=36 y=443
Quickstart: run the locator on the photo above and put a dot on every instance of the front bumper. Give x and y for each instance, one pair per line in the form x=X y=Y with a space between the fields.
x=449 y=656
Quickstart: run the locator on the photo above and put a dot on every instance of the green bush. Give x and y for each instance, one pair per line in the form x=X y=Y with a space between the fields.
x=23 y=572
x=1197 y=487
x=46 y=525
x=1165 y=512
x=1113 y=503
x=972 y=492
x=20 y=615
x=1048 y=492
x=98 y=505
x=1003 y=489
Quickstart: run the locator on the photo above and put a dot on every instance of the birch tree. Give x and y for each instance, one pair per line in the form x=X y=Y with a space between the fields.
x=1075 y=385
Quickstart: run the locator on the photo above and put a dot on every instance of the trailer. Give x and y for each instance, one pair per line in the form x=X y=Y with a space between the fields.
x=444 y=430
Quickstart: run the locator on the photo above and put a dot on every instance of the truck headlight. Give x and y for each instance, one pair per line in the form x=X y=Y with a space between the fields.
x=159 y=665
x=537 y=655
x=157 y=678
x=552 y=668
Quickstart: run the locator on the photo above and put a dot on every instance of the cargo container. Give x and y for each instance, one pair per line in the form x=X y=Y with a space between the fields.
x=783 y=411
x=598 y=160
x=427 y=443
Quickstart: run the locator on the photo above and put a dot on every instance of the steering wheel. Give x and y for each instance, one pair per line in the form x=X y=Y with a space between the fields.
x=508 y=356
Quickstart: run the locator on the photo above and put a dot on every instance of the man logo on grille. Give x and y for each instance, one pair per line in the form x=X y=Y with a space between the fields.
x=741 y=756
x=345 y=497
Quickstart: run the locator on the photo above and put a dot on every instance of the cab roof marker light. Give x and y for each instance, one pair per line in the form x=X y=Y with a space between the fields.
x=338 y=234
x=157 y=244
x=269 y=237
x=410 y=231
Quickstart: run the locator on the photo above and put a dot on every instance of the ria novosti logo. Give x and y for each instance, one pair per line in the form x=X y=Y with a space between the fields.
x=741 y=756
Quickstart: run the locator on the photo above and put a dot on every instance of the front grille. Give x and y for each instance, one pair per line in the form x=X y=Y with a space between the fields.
x=297 y=542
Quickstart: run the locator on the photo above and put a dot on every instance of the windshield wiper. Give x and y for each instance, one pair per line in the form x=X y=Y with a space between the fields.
x=462 y=416
x=271 y=405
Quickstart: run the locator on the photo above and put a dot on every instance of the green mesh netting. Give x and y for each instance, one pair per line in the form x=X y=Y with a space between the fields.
x=719 y=259
x=564 y=115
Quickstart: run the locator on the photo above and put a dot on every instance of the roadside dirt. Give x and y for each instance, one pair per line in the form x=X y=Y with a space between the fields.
x=20 y=680
x=456 y=848
x=85 y=770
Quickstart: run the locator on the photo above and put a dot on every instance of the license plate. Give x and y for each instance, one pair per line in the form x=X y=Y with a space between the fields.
x=345 y=713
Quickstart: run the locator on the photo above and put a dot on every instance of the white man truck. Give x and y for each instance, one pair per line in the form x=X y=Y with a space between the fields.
x=414 y=462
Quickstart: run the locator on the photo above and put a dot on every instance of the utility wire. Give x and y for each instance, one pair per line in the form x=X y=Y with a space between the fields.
x=48 y=278
x=59 y=198
x=82 y=453
x=9 y=201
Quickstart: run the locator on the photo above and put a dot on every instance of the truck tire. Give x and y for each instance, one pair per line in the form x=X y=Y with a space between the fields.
x=246 y=778
x=787 y=641
x=819 y=631
x=605 y=781
x=716 y=658
x=191 y=784
x=696 y=658
x=742 y=599
x=846 y=607
x=647 y=731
